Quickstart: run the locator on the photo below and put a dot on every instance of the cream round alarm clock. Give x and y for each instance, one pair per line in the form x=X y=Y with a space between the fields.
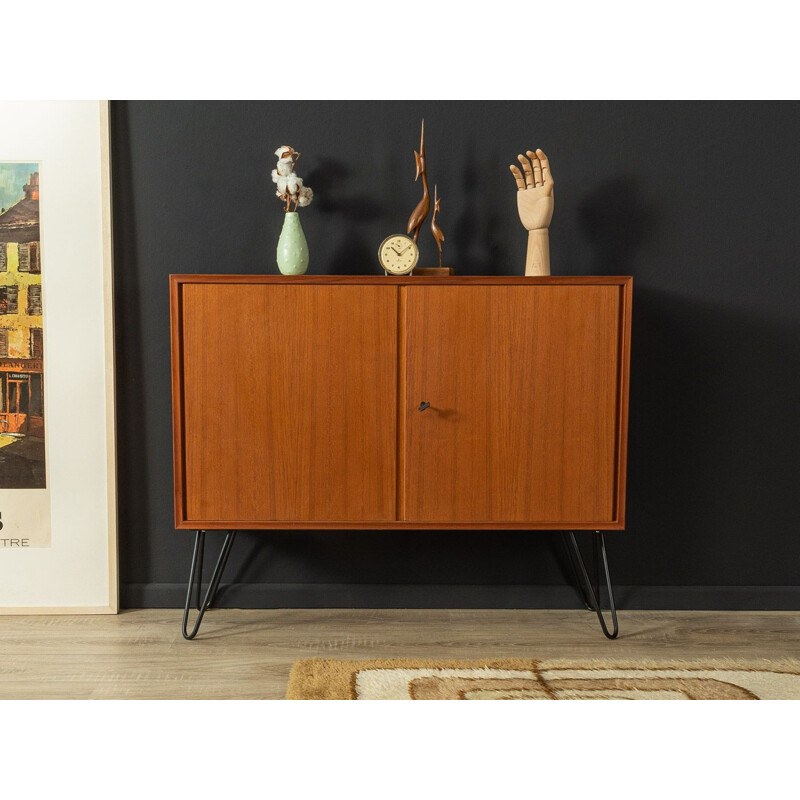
x=398 y=254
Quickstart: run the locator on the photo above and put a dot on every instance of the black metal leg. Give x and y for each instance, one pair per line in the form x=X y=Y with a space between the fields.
x=196 y=580
x=200 y=543
x=594 y=595
x=587 y=603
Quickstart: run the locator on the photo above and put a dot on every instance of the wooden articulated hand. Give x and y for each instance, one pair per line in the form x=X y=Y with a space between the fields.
x=535 y=204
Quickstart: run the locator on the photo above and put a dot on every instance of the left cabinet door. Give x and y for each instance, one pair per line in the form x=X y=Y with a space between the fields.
x=288 y=406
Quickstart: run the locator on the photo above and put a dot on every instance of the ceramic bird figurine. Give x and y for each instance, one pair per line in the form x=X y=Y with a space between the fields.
x=420 y=213
x=438 y=233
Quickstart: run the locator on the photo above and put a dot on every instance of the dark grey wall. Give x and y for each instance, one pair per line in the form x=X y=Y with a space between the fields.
x=698 y=201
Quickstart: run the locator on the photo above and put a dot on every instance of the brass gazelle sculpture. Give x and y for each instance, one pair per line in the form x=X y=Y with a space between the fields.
x=438 y=233
x=420 y=213
x=535 y=205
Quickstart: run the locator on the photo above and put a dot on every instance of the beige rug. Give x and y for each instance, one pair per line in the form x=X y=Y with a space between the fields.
x=521 y=679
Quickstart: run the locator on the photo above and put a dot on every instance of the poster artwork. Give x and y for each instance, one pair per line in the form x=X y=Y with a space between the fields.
x=24 y=515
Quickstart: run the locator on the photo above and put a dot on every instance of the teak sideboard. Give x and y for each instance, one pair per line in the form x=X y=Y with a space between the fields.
x=379 y=402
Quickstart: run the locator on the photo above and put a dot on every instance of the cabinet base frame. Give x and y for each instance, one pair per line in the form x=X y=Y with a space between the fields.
x=590 y=594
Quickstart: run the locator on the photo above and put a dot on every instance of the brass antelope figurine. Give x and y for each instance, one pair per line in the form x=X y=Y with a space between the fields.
x=438 y=233
x=420 y=213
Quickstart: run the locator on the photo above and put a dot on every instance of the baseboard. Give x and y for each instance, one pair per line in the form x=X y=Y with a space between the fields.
x=324 y=595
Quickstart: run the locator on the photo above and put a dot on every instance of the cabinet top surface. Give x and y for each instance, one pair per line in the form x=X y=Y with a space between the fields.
x=451 y=280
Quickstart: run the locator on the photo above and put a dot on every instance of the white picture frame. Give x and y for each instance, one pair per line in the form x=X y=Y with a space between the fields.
x=75 y=572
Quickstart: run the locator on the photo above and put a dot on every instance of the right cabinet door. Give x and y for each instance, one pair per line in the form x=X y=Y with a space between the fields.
x=523 y=384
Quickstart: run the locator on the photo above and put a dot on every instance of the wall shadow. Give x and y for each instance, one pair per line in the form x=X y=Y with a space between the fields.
x=618 y=222
x=333 y=183
x=132 y=464
x=478 y=245
x=713 y=467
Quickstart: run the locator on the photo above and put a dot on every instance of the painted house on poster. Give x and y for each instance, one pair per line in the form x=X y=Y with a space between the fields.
x=21 y=339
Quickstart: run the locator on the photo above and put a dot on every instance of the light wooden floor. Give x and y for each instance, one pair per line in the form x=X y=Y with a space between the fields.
x=247 y=654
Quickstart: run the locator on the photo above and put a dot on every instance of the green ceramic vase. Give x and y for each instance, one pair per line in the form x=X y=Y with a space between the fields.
x=292 y=246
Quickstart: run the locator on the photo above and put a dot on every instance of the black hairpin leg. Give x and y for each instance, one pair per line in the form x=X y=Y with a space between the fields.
x=196 y=580
x=587 y=603
x=590 y=593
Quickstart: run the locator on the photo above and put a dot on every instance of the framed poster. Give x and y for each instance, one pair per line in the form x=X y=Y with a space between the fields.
x=58 y=537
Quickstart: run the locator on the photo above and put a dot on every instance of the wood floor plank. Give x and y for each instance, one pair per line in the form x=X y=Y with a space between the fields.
x=247 y=654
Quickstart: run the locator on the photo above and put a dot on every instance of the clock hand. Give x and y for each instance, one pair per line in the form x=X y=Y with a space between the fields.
x=401 y=253
x=396 y=250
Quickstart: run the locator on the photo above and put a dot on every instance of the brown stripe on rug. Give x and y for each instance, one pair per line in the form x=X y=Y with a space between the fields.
x=545 y=679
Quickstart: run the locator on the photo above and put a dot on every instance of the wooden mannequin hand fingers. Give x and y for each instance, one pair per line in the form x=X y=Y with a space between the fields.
x=537 y=168
x=517 y=177
x=526 y=166
x=547 y=176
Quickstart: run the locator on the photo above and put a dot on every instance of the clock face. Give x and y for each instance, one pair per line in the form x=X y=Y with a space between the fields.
x=398 y=254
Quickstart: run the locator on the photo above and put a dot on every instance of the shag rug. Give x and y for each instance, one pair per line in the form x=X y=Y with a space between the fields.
x=522 y=679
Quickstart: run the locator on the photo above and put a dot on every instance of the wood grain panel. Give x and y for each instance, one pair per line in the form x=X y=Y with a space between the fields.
x=288 y=402
x=524 y=385
x=179 y=284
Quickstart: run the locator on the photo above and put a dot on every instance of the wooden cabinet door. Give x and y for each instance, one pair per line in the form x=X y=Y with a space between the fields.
x=523 y=384
x=289 y=396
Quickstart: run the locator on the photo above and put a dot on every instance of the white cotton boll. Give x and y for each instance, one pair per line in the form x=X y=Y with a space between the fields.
x=274 y=176
x=305 y=197
x=282 y=183
x=285 y=149
x=285 y=167
x=293 y=183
